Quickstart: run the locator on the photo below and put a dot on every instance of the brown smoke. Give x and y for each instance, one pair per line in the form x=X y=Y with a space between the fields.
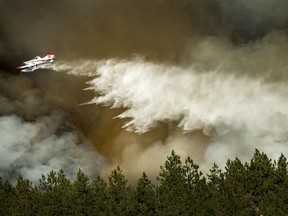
x=207 y=32
x=101 y=29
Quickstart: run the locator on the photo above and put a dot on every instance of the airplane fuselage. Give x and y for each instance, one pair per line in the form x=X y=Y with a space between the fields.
x=37 y=63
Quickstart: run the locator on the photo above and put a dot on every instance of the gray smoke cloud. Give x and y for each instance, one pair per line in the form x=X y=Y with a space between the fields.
x=73 y=29
x=254 y=17
x=40 y=146
x=229 y=100
x=206 y=78
x=39 y=131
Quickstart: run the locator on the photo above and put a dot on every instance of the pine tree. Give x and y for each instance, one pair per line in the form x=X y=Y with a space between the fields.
x=215 y=187
x=57 y=194
x=144 y=197
x=83 y=197
x=260 y=182
x=100 y=197
x=237 y=199
x=119 y=194
x=25 y=199
x=172 y=191
x=7 y=194
x=256 y=188
x=281 y=186
x=197 y=190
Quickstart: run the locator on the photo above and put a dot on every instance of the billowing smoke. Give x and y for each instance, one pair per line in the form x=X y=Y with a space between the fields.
x=40 y=127
x=44 y=145
x=254 y=18
x=226 y=101
x=204 y=77
x=77 y=29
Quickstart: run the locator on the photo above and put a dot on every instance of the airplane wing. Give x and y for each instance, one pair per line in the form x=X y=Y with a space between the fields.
x=30 y=62
x=36 y=63
x=28 y=68
x=31 y=67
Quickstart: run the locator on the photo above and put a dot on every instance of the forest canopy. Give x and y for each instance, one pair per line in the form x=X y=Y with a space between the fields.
x=258 y=187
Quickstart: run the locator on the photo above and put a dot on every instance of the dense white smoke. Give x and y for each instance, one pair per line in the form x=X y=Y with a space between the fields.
x=34 y=148
x=238 y=113
x=38 y=132
x=210 y=83
x=229 y=100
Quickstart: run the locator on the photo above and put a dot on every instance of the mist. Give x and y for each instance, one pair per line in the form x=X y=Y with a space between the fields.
x=134 y=80
x=225 y=109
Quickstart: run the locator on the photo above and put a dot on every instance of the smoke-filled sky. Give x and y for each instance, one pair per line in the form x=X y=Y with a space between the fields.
x=207 y=78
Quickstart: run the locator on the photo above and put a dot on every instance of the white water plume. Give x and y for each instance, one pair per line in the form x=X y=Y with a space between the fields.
x=238 y=113
x=221 y=79
x=223 y=92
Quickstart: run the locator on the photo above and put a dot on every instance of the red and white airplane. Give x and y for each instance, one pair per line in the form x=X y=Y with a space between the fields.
x=37 y=63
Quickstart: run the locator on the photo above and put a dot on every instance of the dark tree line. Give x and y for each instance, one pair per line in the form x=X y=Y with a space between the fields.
x=259 y=187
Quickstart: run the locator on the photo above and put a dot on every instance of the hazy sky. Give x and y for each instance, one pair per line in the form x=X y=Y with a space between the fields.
x=204 y=77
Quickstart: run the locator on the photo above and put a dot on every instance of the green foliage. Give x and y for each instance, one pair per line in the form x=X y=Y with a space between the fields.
x=260 y=174
x=7 y=192
x=281 y=185
x=259 y=187
x=144 y=197
x=234 y=189
x=100 y=196
x=83 y=196
x=26 y=198
x=57 y=194
x=197 y=195
x=172 y=191
x=119 y=194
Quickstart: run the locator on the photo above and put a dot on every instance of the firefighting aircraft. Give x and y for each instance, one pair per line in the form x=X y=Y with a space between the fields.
x=37 y=63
